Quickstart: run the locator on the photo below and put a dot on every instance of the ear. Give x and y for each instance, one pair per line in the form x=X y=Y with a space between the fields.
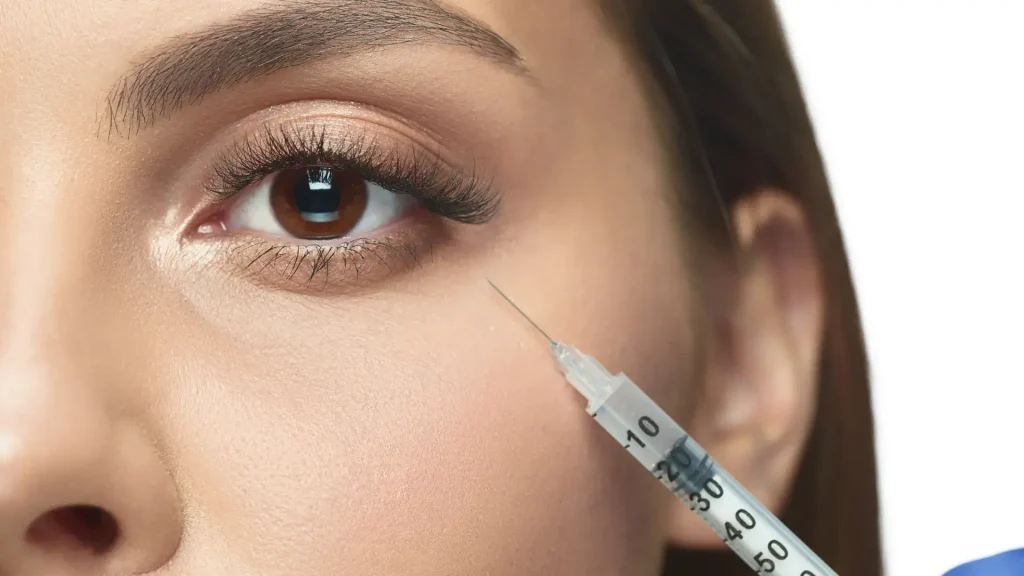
x=760 y=383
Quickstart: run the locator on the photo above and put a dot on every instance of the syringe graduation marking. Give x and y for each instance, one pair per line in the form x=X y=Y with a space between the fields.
x=684 y=479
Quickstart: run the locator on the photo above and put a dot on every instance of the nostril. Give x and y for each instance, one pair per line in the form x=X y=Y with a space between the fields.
x=76 y=528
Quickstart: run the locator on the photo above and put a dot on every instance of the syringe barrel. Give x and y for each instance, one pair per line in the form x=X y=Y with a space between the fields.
x=682 y=465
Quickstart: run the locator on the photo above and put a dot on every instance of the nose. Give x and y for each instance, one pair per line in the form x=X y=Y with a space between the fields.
x=83 y=491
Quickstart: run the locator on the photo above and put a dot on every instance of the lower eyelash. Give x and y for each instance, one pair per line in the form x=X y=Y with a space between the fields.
x=310 y=265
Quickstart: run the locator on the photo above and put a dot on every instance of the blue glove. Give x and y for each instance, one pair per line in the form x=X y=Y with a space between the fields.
x=1006 y=564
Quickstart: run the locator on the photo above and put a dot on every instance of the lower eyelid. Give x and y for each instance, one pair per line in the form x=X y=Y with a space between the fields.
x=346 y=267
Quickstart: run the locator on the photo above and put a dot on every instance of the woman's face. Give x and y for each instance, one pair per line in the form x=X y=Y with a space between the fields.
x=215 y=331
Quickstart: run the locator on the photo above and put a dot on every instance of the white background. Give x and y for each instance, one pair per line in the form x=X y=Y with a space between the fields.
x=919 y=109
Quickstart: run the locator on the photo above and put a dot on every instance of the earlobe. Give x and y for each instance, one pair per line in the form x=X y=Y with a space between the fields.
x=761 y=378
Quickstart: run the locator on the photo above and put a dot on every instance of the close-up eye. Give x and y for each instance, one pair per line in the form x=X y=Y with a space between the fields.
x=317 y=203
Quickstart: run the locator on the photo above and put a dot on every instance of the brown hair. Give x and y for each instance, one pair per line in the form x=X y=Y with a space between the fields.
x=722 y=73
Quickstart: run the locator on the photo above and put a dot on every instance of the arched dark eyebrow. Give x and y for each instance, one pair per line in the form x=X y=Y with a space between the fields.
x=280 y=35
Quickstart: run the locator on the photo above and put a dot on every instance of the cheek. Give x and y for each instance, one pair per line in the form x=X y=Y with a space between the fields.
x=452 y=444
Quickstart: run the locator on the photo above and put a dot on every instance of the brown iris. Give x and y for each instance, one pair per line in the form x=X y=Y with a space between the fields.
x=318 y=202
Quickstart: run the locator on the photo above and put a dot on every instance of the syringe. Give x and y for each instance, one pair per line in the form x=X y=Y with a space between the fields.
x=683 y=466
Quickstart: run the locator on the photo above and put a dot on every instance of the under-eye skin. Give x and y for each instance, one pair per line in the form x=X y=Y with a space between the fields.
x=306 y=207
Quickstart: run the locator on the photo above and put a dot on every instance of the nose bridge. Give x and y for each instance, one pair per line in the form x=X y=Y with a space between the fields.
x=54 y=224
x=60 y=212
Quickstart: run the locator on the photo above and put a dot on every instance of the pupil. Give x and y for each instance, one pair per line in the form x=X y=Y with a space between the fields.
x=317 y=196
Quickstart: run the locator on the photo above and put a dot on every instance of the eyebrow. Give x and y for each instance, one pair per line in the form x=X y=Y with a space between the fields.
x=285 y=34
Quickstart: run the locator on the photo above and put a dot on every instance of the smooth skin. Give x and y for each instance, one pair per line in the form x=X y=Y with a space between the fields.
x=240 y=424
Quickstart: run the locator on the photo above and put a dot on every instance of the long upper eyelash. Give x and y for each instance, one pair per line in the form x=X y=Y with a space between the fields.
x=462 y=197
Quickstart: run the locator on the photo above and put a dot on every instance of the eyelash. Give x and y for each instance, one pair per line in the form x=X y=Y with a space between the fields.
x=461 y=197
x=458 y=196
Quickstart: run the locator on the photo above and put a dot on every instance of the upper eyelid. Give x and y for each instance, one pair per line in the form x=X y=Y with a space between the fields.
x=361 y=143
x=463 y=195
